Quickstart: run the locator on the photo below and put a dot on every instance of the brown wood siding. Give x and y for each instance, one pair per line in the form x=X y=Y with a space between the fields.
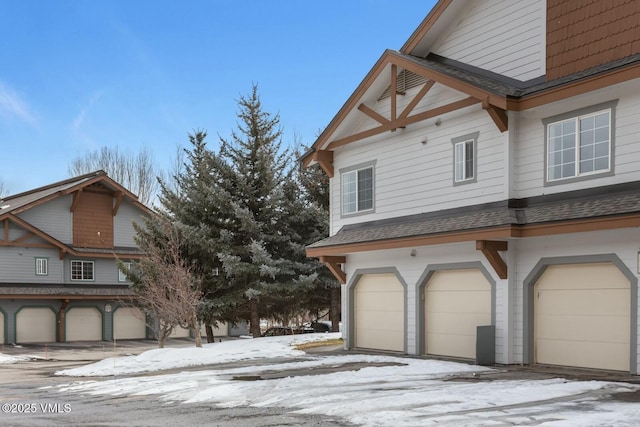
x=93 y=220
x=583 y=34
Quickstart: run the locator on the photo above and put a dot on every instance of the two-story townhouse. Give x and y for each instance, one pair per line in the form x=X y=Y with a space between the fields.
x=485 y=187
x=59 y=280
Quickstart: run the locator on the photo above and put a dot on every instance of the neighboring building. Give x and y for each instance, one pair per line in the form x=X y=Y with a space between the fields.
x=59 y=280
x=488 y=174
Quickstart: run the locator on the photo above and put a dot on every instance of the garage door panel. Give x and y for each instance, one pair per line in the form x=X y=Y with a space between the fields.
x=452 y=345
x=584 y=354
x=582 y=316
x=35 y=325
x=379 y=312
x=378 y=301
x=179 y=332
x=1 y=328
x=444 y=323
x=584 y=328
x=380 y=339
x=394 y=321
x=459 y=302
x=582 y=276
x=591 y=301
x=457 y=280
x=83 y=324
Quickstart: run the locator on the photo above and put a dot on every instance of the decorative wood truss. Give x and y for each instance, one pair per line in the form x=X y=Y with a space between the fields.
x=333 y=264
x=490 y=249
x=494 y=105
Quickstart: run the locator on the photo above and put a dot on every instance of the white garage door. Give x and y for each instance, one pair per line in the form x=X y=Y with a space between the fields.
x=35 y=324
x=582 y=317
x=456 y=303
x=84 y=324
x=379 y=312
x=222 y=330
x=129 y=323
x=179 y=332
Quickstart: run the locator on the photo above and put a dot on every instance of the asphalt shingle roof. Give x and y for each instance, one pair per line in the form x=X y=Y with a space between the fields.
x=491 y=216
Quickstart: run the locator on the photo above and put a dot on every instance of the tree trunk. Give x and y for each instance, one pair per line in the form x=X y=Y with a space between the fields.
x=335 y=308
x=196 y=331
x=255 y=319
x=209 y=330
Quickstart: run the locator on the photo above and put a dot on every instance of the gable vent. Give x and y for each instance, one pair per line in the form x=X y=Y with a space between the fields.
x=405 y=81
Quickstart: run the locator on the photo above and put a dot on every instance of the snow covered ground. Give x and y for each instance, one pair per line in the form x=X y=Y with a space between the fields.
x=388 y=391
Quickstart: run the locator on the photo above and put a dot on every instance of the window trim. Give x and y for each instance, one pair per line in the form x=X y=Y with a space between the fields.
x=93 y=271
x=46 y=265
x=576 y=114
x=361 y=166
x=460 y=139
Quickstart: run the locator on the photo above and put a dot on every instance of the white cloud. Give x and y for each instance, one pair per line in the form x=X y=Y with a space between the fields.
x=13 y=107
x=80 y=117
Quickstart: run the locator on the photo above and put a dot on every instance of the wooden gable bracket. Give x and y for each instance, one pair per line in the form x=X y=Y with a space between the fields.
x=119 y=197
x=490 y=250
x=332 y=263
x=325 y=160
x=498 y=115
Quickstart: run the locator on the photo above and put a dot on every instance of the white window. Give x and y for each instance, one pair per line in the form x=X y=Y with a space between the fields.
x=464 y=158
x=357 y=190
x=81 y=270
x=465 y=169
x=579 y=144
x=42 y=266
x=122 y=275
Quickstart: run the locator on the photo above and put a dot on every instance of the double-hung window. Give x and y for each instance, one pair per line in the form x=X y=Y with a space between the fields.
x=579 y=144
x=357 y=190
x=464 y=158
x=42 y=266
x=82 y=270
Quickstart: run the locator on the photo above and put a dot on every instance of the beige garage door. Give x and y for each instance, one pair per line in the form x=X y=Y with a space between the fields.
x=129 y=323
x=1 y=328
x=84 y=324
x=456 y=303
x=35 y=324
x=582 y=317
x=222 y=330
x=179 y=332
x=379 y=312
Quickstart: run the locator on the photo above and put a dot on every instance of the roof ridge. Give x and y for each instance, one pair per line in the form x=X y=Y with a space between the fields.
x=56 y=184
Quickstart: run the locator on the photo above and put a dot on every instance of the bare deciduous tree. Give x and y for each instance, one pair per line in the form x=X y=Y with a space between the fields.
x=4 y=191
x=163 y=280
x=137 y=173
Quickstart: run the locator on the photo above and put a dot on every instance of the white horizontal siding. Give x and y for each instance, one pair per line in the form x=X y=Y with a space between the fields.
x=529 y=141
x=411 y=177
x=506 y=37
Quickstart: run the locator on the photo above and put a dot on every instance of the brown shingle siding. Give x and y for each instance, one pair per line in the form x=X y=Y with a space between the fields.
x=582 y=34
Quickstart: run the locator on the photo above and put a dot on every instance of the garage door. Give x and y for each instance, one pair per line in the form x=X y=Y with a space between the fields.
x=456 y=303
x=179 y=332
x=222 y=330
x=1 y=328
x=84 y=324
x=35 y=324
x=129 y=323
x=582 y=317
x=379 y=312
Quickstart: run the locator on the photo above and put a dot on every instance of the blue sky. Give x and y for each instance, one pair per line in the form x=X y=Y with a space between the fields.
x=79 y=75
